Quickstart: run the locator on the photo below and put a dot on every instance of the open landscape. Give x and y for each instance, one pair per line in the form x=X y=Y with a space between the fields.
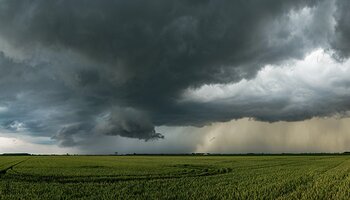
x=174 y=99
x=175 y=177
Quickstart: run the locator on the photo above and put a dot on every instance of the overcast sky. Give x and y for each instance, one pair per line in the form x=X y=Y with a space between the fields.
x=163 y=76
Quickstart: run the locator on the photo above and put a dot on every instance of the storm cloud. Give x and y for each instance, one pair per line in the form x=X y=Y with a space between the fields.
x=74 y=70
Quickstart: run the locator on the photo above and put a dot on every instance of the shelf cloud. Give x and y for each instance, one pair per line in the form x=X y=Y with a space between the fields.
x=77 y=70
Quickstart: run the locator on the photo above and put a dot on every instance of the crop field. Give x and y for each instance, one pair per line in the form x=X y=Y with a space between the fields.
x=174 y=177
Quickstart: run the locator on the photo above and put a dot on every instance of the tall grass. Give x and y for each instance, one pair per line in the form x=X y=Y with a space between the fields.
x=175 y=177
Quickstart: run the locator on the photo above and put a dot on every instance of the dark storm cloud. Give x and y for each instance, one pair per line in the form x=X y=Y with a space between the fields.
x=341 y=40
x=118 y=67
x=126 y=122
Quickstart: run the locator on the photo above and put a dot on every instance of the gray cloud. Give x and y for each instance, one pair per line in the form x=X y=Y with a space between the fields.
x=342 y=38
x=84 y=68
x=126 y=122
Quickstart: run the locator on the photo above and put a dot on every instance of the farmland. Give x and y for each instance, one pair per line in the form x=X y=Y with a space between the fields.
x=175 y=177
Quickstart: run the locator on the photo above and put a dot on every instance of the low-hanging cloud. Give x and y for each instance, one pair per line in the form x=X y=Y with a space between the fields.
x=77 y=69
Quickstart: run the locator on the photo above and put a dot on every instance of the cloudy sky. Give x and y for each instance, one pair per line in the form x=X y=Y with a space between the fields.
x=164 y=76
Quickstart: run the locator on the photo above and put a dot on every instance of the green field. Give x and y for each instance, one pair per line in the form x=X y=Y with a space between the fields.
x=175 y=177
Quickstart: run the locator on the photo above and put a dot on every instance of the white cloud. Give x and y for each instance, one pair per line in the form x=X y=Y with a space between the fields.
x=19 y=143
x=3 y=109
x=317 y=85
x=301 y=80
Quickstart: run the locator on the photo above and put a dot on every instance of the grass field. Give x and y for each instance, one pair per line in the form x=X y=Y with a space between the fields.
x=175 y=177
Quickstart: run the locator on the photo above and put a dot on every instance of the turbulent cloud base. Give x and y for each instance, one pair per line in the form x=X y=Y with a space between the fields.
x=75 y=71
